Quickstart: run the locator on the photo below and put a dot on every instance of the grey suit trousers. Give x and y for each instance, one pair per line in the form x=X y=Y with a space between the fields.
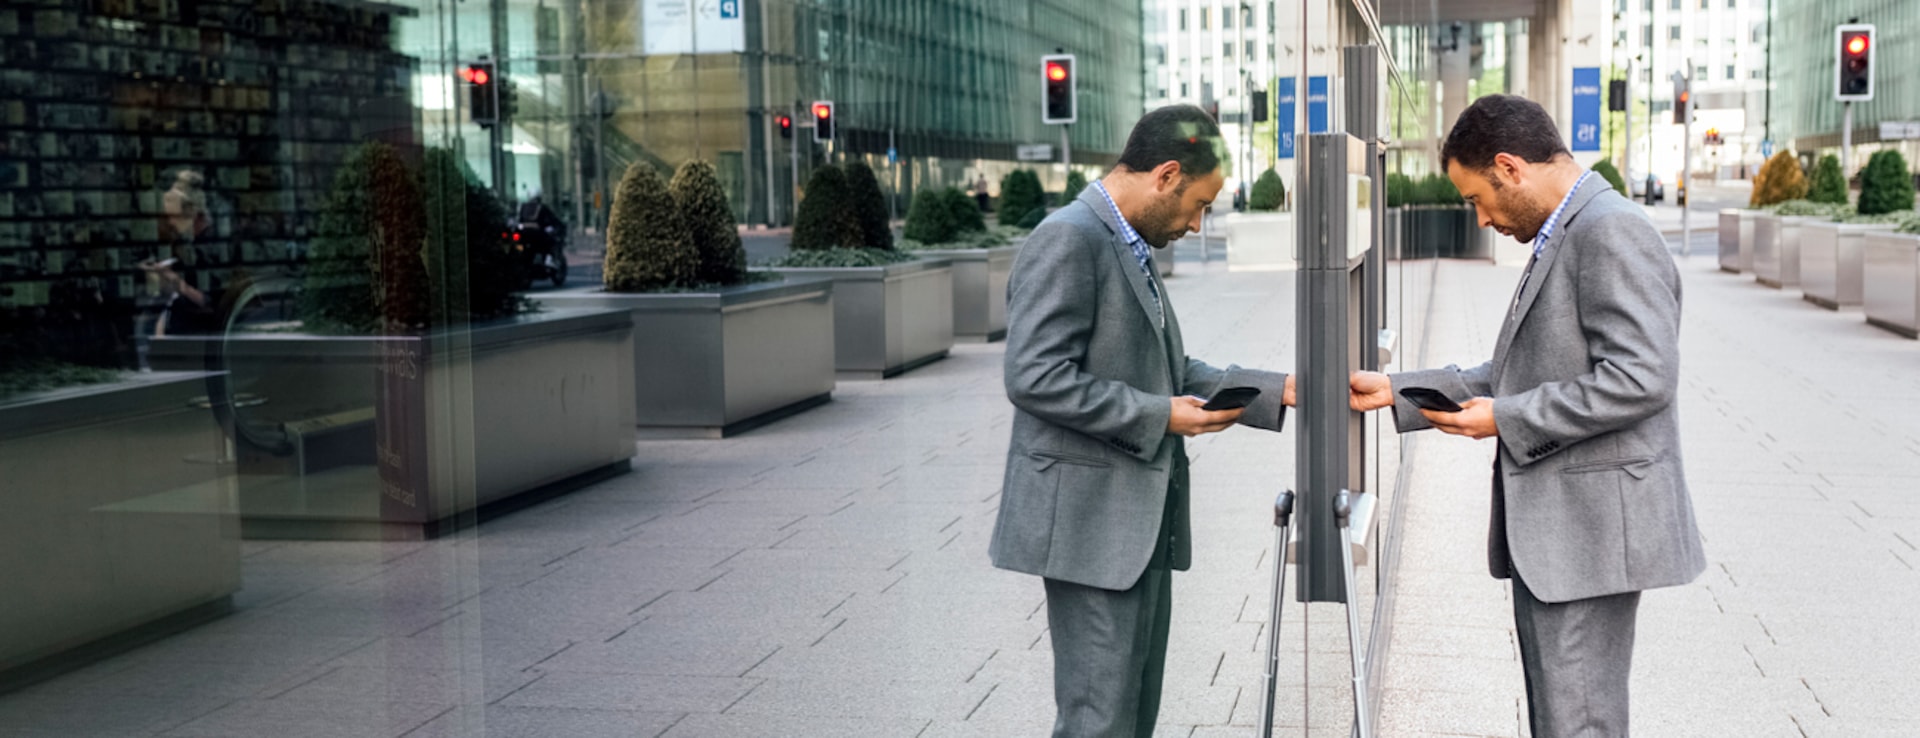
x=1577 y=656
x=1110 y=649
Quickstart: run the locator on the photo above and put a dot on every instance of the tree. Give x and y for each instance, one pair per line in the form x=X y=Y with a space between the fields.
x=1607 y=171
x=648 y=246
x=1019 y=192
x=1075 y=183
x=929 y=220
x=1269 y=193
x=869 y=206
x=826 y=219
x=1779 y=180
x=710 y=226
x=1829 y=185
x=963 y=210
x=1886 y=186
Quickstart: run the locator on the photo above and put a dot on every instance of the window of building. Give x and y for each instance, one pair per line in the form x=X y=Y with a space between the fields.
x=1759 y=32
x=1755 y=74
x=1703 y=4
x=1183 y=20
x=1246 y=16
x=1206 y=18
x=1673 y=32
x=1673 y=4
x=1226 y=50
x=1183 y=90
x=1248 y=51
x=1226 y=18
x=1700 y=72
x=1733 y=4
x=1646 y=35
x=1620 y=7
x=1730 y=73
x=1162 y=52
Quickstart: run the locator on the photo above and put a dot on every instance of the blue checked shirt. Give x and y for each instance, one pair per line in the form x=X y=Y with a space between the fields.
x=1141 y=251
x=1540 y=241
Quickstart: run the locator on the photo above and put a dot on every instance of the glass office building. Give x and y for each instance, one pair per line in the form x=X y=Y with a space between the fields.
x=1804 y=114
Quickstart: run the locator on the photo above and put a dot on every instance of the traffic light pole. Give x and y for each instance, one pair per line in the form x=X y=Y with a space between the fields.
x=1686 y=167
x=1846 y=140
x=1066 y=148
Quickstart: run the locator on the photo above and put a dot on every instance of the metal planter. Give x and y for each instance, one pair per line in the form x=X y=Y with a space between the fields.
x=1261 y=242
x=1445 y=231
x=888 y=319
x=1736 y=236
x=714 y=364
x=979 y=291
x=1831 y=264
x=1890 y=288
x=1776 y=249
x=121 y=514
x=408 y=436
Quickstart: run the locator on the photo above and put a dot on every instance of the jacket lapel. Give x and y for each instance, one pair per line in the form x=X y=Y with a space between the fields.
x=1541 y=268
x=1129 y=265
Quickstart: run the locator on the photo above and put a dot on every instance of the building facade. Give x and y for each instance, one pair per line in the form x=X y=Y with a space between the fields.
x=1805 y=114
x=1723 y=46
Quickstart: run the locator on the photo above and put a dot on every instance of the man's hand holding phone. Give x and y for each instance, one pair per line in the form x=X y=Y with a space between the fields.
x=1190 y=418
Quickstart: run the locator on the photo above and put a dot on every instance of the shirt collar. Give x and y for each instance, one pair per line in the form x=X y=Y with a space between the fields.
x=1546 y=230
x=1127 y=232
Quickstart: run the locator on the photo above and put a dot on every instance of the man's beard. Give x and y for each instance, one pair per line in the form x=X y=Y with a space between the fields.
x=1160 y=224
x=1532 y=217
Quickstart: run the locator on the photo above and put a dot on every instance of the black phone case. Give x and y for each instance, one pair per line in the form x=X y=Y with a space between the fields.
x=1231 y=398
x=1428 y=398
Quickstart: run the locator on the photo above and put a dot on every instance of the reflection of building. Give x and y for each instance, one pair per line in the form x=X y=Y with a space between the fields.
x=953 y=86
x=103 y=107
x=1726 y=45
x=1805 y=115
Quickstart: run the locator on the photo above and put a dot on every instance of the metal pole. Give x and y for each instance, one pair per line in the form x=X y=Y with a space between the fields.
x=793 y=162
x=893 y=164
x=1626 y=154
x=1282 y=528
x=1362 y=716
x=1301 y=147
x=1686 y=165
x=1066 y=147
x=1846 y=140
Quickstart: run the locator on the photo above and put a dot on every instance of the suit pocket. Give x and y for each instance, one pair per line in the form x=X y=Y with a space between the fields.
x=1636 y=466
x=1049 y=458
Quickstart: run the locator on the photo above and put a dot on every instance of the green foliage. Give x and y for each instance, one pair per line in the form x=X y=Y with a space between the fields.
x=985 y=239
x=648 y=245
x=1885 y=186
x=366 y=272
x=1269 y=193
x=1607 y=171
x=710 y=226
x=1829 y=185
x=1075 y=183
x=1032 y=219
x=869 y=206
x=21 y=375
x=1437 y=189
x=1020 y=192
x=1779 y=180
x=963 y=210
x=825 y=258
x=929 y=219
x=826 y=219
x=1401 y=190
x=1799 y=208
x=465 y=252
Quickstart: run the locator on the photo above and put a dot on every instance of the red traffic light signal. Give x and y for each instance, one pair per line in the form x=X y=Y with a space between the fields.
x=823 y=120
x=483 y=95
x=1060 y=88
x=786 y=125
x=1853 y=63
x=1857 y=45
x=475 y=74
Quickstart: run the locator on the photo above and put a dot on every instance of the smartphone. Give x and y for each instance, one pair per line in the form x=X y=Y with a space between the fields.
x=1231 y=398
x=1427 y=398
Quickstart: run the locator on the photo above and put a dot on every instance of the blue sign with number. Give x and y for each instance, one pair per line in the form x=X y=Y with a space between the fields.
x=729 y=9
x=1317 y=105
x=1283 y=116
x=1766 y=148
x=1586 y=109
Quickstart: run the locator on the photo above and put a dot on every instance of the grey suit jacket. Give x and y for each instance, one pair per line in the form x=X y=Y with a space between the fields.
x=1584 y=377
x=1090 y=368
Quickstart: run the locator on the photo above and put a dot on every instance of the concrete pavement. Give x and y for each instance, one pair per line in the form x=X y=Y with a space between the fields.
x=826 y=575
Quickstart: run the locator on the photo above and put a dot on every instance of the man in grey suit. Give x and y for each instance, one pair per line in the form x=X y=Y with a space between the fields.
x=1095 y=495
x=1590 y=503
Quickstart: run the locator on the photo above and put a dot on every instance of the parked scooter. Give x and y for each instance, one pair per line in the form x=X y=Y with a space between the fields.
x=539 y=241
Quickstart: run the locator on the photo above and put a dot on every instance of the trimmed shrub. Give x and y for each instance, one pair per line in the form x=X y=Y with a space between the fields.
x=1075 y=183
x=1437 y=189
x=930 y=218
x=1885 y=185
x=1829 y=185
x=963 y=210
x=1607 y=171
x=1019 y=192
x=365 y=272
x=1269 y=193
x=1401 y=190
x=1032 y=219
x=710 y=226
x=869 y=206
x=826 y=219
x=1779 y=180
x=648 y=246
x=465 y=247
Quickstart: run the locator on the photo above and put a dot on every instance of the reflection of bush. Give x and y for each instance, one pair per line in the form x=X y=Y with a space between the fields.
x=465 y=248
x=929 y=220
x=710 y=225
x=1075 y=183
x=1268 y=192
x=1779 y=180
x=647 y=242
x=964 y=211
x=365 y=272
x=1020 y=192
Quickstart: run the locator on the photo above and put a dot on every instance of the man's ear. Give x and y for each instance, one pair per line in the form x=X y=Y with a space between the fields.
x=1166 y=177
x=1511 y=169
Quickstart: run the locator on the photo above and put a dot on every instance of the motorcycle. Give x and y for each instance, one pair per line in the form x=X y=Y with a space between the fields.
x=540 y=253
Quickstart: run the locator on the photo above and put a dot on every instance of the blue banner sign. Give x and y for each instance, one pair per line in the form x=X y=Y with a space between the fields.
x=1586 y=109
x=1317 y=105
x=1283 y=116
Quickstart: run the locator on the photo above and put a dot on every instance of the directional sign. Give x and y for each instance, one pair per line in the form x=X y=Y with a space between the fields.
x=1586 y=109
x=692 y=27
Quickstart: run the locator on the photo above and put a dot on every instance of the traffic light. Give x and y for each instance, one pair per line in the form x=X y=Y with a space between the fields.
x=1056 y=73
x=786 y=126
x=483 y=92
x=1853 y=63
x=1713 y=137
x=1259 y=106
x=1682 y=95
x=822 y=120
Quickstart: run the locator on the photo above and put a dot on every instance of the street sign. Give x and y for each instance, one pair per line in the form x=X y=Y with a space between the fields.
x=1766 y=148
x=1896 y=130
x=1033 y=152
x=893 y=156
x=1284 y=98
x=1586 y=109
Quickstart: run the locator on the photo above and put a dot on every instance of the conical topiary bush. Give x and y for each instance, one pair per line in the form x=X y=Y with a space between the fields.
x=1780 y=180
x=710 y=225
x=1268 y=193
x=963 y=210
x=1829 y=185
x=1020 y=192
x=826 y=218
x=1075 y=183
x=648 y=246
x=929 y=220
x=1885 y=185
x=869 y=206
x=365 y=272
x=468 y=256
x=1611 y=174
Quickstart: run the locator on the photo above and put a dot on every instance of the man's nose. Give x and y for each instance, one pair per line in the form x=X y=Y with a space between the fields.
x=1485 y=219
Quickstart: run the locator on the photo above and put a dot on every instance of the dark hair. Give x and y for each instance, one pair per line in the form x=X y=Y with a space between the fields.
x=1498 y=124
x=1182 y=133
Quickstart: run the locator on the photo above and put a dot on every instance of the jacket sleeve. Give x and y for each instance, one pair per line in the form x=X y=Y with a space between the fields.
x=1456 y=383
x=1266 y=412
x=1051 y=304
x=1629 y=306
